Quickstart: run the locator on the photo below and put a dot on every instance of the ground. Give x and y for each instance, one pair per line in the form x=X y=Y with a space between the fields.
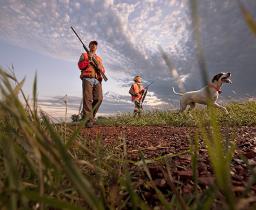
x=158 y=141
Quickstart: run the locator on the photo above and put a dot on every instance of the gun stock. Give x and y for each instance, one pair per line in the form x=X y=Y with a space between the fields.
x=94 y=61
x=145 y=93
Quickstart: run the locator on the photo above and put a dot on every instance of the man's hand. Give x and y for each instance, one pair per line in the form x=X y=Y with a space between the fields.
x=90 y=56
x=142 y=91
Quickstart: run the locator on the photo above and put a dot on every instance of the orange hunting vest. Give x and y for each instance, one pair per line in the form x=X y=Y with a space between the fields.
x=137 y=88
x=87 y=70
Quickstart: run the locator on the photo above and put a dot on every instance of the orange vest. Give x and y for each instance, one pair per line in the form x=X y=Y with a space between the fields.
x=87 y=70
x=138 y=90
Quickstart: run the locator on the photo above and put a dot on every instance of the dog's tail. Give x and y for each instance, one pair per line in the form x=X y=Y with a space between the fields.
x=180 y=94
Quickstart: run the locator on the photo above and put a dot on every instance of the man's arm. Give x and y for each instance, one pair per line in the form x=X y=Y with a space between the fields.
x=98 y=66
x=83 y=62
x=101 y=65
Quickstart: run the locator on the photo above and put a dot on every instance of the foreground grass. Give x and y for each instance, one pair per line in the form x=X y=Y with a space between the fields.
x=240 y=114
x=44 y=166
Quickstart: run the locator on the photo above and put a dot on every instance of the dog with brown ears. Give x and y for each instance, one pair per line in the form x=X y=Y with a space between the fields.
x=209 y=92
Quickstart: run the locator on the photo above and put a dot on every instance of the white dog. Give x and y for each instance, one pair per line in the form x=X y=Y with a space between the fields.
x=211 y=91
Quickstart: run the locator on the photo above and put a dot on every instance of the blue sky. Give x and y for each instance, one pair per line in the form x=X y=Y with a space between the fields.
x=35 y=37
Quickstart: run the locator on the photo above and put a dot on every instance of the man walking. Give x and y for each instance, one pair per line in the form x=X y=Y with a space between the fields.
x=91 y=83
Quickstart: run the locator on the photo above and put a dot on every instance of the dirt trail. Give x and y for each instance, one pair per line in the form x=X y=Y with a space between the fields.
x=157 y=141
x=152 y=140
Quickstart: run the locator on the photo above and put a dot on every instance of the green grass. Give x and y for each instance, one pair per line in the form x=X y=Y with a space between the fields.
x=240 y=114
x=47 y=167
x=44 y=166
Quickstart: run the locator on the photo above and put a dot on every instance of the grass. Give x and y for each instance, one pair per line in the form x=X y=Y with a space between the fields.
x=241 y=114
x=47 y=167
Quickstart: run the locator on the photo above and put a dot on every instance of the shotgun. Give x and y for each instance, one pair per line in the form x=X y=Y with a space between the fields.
x=145 y=93
x=94 y=61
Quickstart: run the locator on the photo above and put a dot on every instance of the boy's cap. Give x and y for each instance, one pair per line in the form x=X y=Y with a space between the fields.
x=136 y=78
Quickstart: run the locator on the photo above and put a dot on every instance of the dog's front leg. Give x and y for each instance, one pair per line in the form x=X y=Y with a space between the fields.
x=221 y=107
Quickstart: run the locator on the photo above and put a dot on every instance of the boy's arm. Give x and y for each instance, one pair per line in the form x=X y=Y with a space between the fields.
x=142 y=90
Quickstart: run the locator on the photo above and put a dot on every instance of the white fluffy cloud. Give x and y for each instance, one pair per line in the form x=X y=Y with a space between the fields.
x=129 y=34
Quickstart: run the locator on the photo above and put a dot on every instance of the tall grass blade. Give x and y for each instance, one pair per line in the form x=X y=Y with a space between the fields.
x=248 y=18
x=50 y=201
x=81 y=183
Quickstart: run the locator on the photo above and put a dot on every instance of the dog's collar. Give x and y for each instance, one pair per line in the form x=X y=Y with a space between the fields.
x=215 y=88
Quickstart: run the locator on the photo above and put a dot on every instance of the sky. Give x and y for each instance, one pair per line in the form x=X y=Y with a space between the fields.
x=35 y=37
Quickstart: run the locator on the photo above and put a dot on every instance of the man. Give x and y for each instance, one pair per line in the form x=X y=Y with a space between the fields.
x=136 y=91
x=91 y=82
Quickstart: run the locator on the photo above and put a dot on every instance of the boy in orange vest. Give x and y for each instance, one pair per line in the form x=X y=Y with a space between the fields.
x=136 y=92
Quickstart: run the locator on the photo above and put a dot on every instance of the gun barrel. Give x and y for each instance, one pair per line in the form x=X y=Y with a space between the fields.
x=148 y=85
x=145 y=93
x=86 y=49
x=96 y=66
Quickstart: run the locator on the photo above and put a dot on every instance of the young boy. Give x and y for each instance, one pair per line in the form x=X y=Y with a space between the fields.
x=137 y=91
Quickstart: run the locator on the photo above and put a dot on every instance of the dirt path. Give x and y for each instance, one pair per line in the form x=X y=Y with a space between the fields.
x=166 y=139
x=156 y=141
x=152 y=140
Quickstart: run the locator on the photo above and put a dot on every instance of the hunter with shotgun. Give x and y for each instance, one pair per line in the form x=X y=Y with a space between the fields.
x=92 y=73
x=138 y=93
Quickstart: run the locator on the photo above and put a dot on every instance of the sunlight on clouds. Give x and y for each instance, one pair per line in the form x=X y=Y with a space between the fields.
x=65 y=2
x=137 y=27
x=152 y=100
x=55 y=107
x=134 y=30
x=128 y=32
x=58 y=113
x=77 y=5
x=66 y=18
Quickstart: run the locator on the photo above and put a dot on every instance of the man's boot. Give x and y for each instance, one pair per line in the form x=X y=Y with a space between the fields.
x=89 y=124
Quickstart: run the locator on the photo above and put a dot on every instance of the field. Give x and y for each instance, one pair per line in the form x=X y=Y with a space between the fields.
x=158 y=144
x=166 y=136
x=163 y=160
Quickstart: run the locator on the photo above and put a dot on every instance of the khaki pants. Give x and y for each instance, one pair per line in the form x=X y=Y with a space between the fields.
x=137 y=108
x=92 y=98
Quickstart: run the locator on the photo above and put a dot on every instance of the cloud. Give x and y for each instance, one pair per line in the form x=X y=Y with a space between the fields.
x=130 y=33
x=113 y=103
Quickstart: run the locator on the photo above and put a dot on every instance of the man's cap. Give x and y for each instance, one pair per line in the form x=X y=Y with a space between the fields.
x=93 y=42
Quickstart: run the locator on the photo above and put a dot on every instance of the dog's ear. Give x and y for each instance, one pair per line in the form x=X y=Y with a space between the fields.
x=216 y=77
